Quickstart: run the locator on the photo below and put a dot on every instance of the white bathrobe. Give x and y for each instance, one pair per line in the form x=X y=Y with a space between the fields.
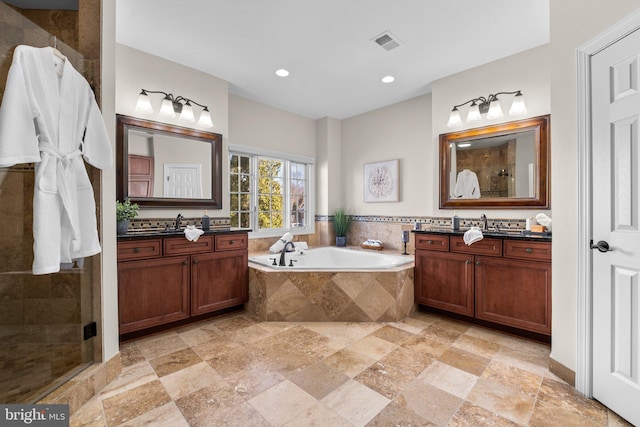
x=467 y=186
x=49 y=116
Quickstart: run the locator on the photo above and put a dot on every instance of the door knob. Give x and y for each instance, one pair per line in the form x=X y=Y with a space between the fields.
x=602 y=246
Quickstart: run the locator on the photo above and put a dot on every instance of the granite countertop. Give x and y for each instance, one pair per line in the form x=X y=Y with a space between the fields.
x=502 y=234
x=154 y=233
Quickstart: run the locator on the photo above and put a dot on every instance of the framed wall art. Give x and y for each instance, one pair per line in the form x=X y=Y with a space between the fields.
x=382 y=181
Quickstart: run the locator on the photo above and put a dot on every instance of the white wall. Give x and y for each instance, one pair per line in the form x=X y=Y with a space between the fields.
x=328 y=166
x=573 y=23
x=400 y=131
x=257 y=125
x=136 y=70
x=528 y=71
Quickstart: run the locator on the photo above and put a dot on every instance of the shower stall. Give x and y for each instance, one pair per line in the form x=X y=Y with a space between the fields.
x=46 y=321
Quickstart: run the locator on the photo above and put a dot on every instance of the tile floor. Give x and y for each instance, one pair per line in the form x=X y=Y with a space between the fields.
x=423 y=371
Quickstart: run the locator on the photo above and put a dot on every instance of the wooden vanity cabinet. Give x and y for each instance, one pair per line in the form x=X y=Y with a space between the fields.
x=503 y=281
x=169 y=279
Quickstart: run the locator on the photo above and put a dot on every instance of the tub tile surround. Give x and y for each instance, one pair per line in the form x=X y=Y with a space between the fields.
x=236 y=370
x=331 y=296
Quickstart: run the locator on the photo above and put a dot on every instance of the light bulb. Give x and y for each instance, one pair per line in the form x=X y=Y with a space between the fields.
x=205 y=118
x=144 y=103
x=454 y=118
x=187 y=113
x=166 y=109
x=474 y=113
x=495 y=110
x=518 y=106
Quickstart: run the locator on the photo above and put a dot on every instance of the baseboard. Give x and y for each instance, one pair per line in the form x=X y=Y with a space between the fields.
x=565 y=374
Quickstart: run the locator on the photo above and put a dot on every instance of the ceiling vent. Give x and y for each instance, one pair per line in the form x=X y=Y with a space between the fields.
x=387 y=40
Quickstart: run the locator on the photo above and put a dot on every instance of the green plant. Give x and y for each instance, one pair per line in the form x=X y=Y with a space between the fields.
x=126 y=210
x=341 y=222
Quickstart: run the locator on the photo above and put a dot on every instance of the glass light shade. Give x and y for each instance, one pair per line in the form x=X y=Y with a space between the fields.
x=518 y=106
x=474 y=113
x=495 y=110
x=166 y=109
x=205 y=119
x=454 y=118
x=144 y=103
x=187 y=113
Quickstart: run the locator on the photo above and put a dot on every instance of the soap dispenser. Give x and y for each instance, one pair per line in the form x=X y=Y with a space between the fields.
x=206 y=224
x=455 y=222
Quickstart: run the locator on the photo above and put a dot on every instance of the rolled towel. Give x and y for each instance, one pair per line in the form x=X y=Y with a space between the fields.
x=192 y=234
x=279 y=245
x=543 y=219
x=472 y=235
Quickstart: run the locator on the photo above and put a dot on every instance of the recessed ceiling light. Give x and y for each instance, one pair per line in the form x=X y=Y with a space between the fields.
x=282 y=72
x=388 y=79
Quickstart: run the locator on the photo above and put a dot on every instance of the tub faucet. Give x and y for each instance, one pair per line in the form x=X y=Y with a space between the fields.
x=178 y=219
x=483 y=218
x=284 y=250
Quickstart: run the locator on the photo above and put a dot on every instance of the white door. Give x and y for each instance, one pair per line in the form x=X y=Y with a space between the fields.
x=182 y=181
x=616 y=202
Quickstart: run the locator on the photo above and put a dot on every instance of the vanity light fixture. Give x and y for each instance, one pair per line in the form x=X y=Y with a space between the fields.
x=173 y=106
x=489 y=106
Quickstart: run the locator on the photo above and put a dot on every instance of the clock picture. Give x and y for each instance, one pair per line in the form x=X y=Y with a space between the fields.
x=381 y=181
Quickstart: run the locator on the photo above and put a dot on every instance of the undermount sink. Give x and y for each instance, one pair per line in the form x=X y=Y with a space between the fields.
x=502 y=233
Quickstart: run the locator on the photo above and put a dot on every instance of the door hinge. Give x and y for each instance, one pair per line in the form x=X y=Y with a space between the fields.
x=90 y=330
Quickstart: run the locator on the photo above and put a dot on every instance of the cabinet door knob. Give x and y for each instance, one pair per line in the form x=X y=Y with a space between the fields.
x=136 y=250
x=467 y=262
x=195 y=261
x=528 y=250
x=477 y=262
x=231 y=242
x=185 y=263
x=430 y=242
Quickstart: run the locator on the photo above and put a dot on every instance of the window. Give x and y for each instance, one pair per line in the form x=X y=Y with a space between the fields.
x=270 y=193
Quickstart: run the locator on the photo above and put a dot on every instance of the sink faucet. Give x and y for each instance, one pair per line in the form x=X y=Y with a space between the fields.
x=178 y=219
x=483 y=218
x=286 y=245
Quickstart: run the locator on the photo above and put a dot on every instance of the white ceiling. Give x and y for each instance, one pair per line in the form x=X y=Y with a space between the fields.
x=327 y=45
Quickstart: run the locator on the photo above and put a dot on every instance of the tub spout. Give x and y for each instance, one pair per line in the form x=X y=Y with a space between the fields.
x=284 y=250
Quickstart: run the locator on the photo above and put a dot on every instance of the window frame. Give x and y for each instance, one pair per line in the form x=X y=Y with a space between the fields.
x=255 y=154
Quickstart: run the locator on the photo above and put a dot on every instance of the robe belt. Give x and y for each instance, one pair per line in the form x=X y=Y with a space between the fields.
x=66 y=183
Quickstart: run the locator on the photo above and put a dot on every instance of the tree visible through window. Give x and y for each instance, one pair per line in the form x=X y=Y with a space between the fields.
x=268 y=193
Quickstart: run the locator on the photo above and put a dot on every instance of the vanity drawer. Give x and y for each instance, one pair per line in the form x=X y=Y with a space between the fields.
x=139 y=249
x=524 y=249
x=182 y=246
x=486 y=246
x=432 y=242
x=229 y=242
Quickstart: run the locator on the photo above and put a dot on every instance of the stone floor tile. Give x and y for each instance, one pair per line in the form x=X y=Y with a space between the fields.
x=373 y=347
x=392 y=334
x=319 y=380
x=464 y=360
x=431 y=403
x=513 y=378
x=190 y=379
x=270 y=402
x=203 y=406
x=318 y=415
x=448 y=378
x=165 y=415
x=513 y=405
x=470 y=415
x=161 y=345
x=477 y=346
x=131 y=404
x=172 y=362
x=396 y=415
x=349 y=362
x=355 y=402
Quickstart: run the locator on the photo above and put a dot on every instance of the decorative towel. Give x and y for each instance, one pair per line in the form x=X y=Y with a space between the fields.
x=279 y=245
x=372 y=242
x=543 y=219
x=192 y=234
x=472 y=235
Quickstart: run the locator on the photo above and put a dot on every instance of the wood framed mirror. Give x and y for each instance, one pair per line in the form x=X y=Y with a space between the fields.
x=497 y=167
x=164 y=166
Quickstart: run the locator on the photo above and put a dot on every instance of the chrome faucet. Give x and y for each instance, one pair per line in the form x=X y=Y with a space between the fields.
x=286 y=245
x=178 y=219
x=483 y=218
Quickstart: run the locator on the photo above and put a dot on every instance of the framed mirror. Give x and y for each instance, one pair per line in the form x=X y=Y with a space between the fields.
x=498 y=166
x=164 y=166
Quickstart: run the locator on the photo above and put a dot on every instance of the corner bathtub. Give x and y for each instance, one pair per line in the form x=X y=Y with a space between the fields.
x=332 y=284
